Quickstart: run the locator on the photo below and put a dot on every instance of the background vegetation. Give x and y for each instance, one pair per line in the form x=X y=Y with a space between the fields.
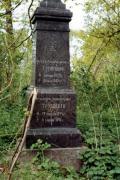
x=95 y=76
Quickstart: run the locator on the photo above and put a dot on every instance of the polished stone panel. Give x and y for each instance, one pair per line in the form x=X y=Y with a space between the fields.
x=54 y=108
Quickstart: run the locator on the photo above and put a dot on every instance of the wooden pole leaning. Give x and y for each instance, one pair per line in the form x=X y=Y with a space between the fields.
x=19 y=148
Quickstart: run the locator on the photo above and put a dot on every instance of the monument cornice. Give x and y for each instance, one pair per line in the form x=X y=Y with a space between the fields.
x=51 y=14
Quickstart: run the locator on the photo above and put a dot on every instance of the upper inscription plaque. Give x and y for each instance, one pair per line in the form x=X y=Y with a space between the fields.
x=52 y=59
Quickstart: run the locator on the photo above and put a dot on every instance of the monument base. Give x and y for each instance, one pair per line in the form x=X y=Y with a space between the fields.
x=57 y=137
x=66 y=157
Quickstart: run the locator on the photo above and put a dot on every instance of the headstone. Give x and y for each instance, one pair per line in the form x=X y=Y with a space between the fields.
x=54 y=116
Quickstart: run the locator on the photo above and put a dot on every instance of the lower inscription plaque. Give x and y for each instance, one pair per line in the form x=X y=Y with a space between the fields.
x=54 y=108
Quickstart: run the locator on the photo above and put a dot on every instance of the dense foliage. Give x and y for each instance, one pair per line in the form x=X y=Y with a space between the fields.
x=15 y=70
x=96 y=78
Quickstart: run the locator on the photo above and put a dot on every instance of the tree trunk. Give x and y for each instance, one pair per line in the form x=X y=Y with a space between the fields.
x=9 y=22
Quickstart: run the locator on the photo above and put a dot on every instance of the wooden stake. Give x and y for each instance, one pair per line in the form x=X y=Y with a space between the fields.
x=26 y=126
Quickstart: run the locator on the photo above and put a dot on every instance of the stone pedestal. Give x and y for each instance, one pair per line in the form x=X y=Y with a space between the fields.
x=54 y=116
x=57 y=137
x=66 y=157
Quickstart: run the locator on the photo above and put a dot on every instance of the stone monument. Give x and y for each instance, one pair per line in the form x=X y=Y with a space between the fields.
x=54 y=116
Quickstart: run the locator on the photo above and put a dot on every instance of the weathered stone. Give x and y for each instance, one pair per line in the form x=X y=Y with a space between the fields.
x=52 y=59
x=51 y=66
x=52 y=4
x=66 y=157
x=54 y=115
x=57 y=137
x=54 y=108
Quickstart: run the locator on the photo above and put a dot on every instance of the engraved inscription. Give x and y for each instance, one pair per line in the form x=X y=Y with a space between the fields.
x=49 y=69
x=53 y=112
x=53 y=109
x=52 y=60
x=53 y=106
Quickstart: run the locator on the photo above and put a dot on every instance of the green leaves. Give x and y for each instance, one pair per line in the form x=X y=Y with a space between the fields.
x=101 y=163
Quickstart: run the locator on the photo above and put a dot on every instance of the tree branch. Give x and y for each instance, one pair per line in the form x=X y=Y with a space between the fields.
x=11 y=79
x=13 y=9
x=29 y=13
x=23 y=41
x=97 y=52
x=111 y=7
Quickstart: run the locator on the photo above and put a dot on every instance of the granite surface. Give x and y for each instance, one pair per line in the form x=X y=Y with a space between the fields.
x=54 y=115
